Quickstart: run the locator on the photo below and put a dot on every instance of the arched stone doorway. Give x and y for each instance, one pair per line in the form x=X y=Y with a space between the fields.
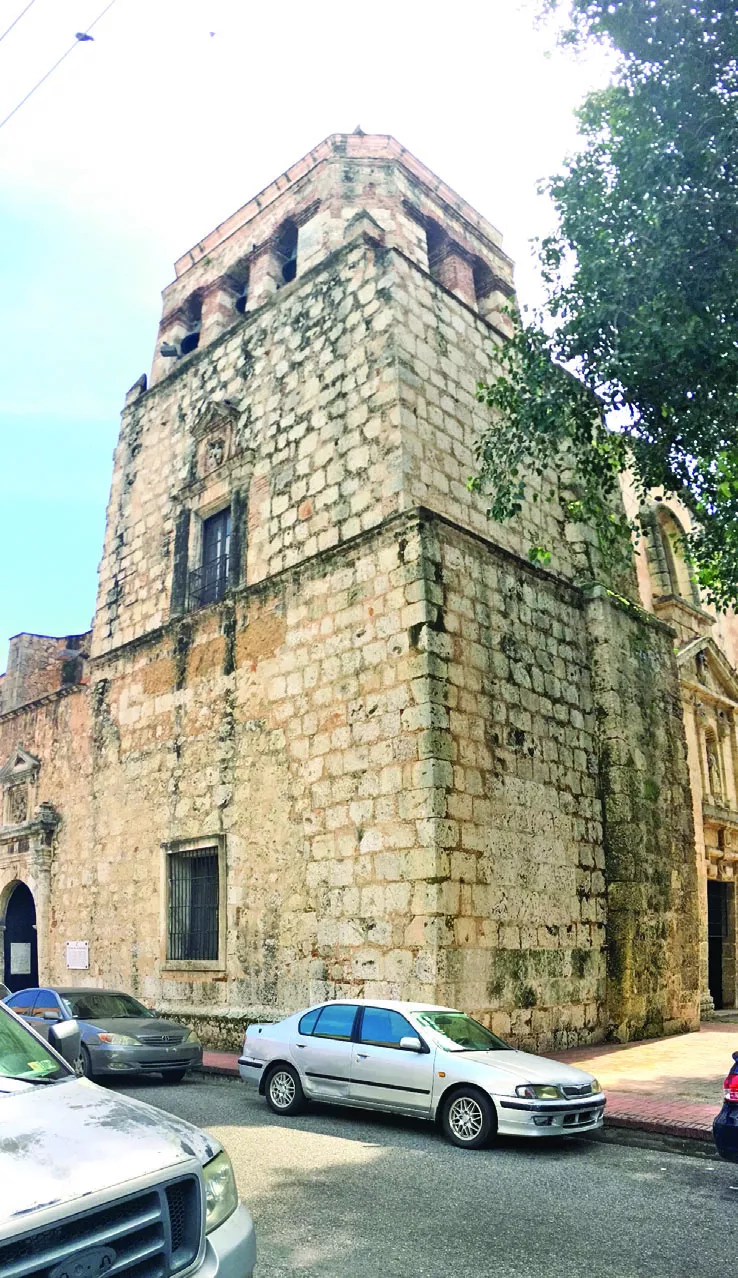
x=20 y=946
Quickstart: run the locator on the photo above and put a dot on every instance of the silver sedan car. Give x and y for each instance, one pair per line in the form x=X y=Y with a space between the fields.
x=420 y=1060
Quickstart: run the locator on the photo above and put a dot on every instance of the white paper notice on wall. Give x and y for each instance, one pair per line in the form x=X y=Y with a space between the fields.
x=78 y=954
x=20 y=958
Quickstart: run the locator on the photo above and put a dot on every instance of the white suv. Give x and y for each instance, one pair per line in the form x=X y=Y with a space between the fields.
x=92 y=1181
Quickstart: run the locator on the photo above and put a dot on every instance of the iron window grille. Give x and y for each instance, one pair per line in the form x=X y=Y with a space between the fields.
x=208 y=584
x=193 y=916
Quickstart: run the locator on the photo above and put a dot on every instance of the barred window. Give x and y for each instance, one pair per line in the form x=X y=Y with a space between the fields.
x=193 y=915
x=210 y=582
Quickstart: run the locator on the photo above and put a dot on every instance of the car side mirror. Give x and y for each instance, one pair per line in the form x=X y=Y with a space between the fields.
x=65 y=1038
x=411 y=1044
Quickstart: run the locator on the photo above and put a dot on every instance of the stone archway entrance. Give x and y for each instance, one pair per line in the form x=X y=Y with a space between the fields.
x=20 y=947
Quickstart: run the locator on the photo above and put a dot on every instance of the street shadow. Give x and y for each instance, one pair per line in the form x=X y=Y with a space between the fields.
x=338 y=1192
x=318 y=1117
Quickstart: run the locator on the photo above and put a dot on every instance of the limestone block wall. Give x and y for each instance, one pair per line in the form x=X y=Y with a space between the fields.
x=306 y=388
x=293 y=724
x=389 y=740
x=442 y=349
x=521 y=935
x=40 y=664
x=346 y=398
x=652 y=885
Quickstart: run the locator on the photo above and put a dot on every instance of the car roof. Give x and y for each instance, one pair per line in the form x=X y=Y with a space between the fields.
x=85 y=989
x=392 y=1004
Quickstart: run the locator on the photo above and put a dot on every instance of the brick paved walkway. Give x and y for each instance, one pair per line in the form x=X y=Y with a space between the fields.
x=669 y=1086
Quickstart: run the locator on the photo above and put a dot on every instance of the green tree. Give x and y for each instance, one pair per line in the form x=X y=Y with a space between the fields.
x=641 y=279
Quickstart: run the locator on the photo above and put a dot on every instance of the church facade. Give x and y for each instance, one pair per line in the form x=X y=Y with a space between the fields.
x=332 y=733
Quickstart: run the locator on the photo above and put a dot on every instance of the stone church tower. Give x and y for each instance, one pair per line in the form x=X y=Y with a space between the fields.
x=344 y=737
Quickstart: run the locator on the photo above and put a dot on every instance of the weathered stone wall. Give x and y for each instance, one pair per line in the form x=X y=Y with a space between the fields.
x=38 y=665
x=286 y=723
x=522 y=931
x=652 y=887
x=348 y=396
x=391 y=739
x=53 y=859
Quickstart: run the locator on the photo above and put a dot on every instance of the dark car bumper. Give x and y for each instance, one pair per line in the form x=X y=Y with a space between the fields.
x=725 y=1131
x=113 y=1059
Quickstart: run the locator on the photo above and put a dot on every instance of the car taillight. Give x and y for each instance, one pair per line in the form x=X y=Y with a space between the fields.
x=731 y=1087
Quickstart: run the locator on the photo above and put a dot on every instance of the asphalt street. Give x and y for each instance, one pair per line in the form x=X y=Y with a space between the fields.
x=338 y=1193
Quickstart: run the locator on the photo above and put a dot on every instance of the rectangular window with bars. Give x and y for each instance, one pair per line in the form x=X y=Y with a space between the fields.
x=193 y=906
x=209 y=582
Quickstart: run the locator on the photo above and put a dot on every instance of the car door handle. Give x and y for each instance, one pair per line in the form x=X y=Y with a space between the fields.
x=362 y=1055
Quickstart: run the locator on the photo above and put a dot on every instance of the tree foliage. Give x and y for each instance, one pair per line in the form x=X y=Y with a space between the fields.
x=641 y=279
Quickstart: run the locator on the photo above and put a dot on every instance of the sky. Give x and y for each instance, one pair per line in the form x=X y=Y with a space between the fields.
x=147 y=137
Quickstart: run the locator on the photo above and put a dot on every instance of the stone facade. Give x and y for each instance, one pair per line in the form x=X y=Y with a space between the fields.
x=331 y=709
x=707 y=653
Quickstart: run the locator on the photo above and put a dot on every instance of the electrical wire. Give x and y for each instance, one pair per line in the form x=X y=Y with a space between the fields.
x=56 y=64
x=16 y=21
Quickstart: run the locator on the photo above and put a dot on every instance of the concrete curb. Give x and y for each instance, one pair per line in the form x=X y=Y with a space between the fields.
x=217 y=1071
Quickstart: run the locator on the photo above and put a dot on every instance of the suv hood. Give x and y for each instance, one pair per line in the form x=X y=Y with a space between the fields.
x=523 y=1067
x=62 y=1141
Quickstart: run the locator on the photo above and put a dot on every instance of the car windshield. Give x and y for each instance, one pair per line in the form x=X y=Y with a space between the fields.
x=94 y=1005
x=23 y=1056
x=460 y=1033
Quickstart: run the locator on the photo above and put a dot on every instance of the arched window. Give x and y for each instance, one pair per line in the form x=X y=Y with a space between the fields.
x=286 y=249
x=240 y=281
x=483 y=280
x=435 y=240
x=680 y=578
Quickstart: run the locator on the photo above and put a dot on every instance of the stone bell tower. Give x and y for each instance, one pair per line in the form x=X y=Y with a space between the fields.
x=348 y=740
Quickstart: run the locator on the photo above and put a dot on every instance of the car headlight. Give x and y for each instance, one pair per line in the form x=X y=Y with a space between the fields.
x=192 y=1038
x=221 y=1195
x=118 y=1040
x=538 y=1091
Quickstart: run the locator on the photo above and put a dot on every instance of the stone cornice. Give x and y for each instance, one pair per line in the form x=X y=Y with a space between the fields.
x=699 y=692
x=43 y=701
x=338 y=148
x=719 y=815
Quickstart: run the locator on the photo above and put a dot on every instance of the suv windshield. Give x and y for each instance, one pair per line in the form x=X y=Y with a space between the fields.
x=22 y=1055
x=460 y=1033
x=91 y=1005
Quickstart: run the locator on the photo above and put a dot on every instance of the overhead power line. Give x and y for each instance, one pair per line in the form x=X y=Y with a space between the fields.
x=15 y=22
x=81 y=37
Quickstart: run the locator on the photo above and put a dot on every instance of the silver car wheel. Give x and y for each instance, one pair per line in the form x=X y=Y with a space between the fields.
x=282 y=1089
x=465 y=1118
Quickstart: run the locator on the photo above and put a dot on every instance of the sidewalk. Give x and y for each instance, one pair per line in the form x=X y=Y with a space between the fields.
x=671 y=1086
x=668 y=1086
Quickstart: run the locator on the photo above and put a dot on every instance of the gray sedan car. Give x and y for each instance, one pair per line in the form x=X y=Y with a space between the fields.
x=119 y=1035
